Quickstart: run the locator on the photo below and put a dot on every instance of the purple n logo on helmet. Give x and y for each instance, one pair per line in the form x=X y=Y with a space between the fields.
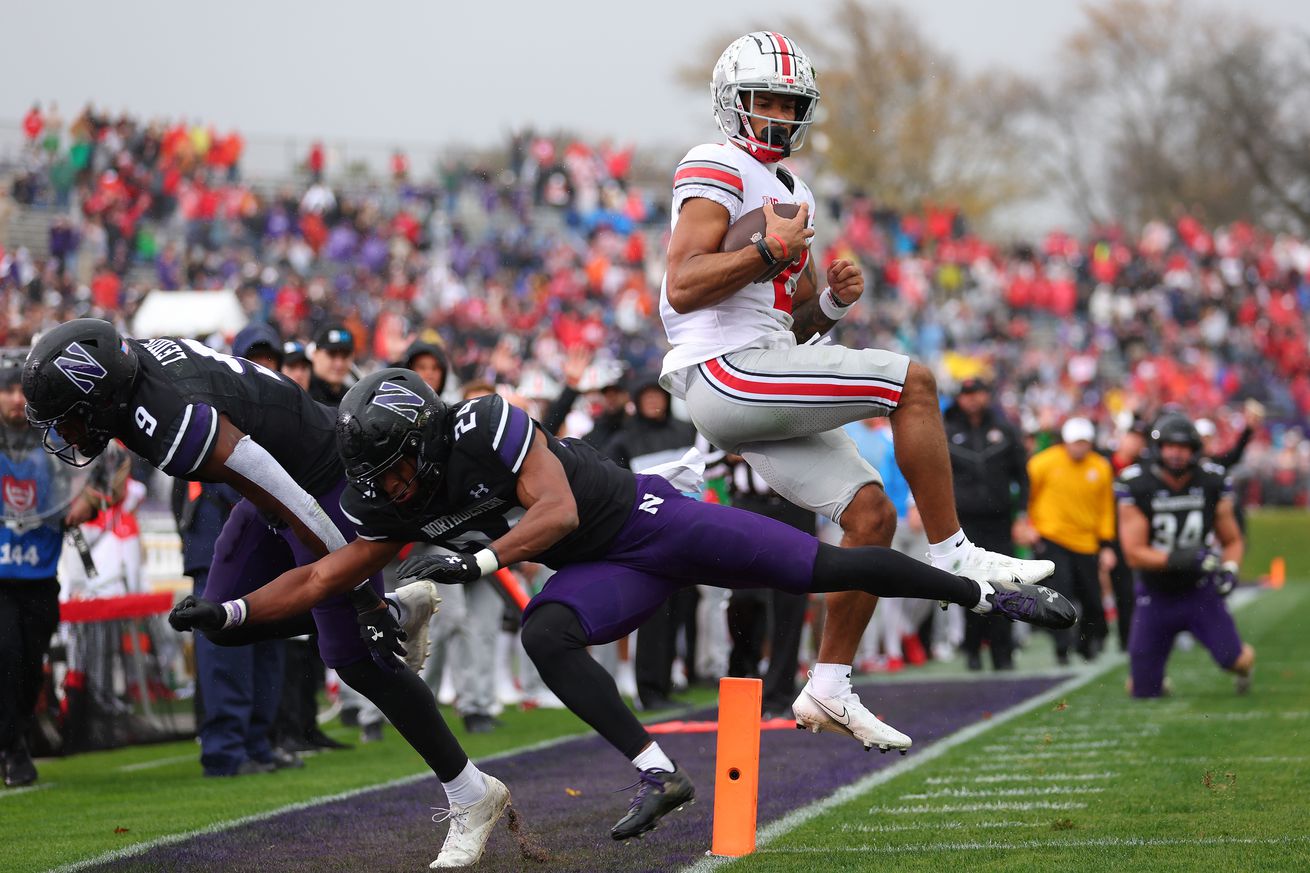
x=81 y=369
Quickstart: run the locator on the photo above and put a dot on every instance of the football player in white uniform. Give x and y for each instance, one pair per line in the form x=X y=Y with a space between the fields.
x=740 y=323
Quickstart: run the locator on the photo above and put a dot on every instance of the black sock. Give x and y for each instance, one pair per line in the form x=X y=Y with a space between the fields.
x=888 y=573
x=555 y=640
x=408 y=704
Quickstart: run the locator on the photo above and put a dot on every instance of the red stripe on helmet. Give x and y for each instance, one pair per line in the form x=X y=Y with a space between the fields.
x=784 y=50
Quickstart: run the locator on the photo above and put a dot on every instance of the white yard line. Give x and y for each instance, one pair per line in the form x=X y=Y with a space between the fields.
x=986 y=806
x=14 y=792
x=1021 y=777
x=1028 y=845
x=937 y=827
x=798 y=817
x=1044 y=791
x=160 y=762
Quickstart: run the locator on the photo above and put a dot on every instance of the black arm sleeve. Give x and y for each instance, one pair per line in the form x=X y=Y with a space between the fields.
x=553 y=420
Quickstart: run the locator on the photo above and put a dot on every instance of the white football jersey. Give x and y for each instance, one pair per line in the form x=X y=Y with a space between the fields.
x=726 y=174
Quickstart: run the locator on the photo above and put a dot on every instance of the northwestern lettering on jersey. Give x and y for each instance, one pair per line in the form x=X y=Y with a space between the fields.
x=164 y=350
x=81 y=369
x=439 y=526
x=398 y=399
x=1166 y=502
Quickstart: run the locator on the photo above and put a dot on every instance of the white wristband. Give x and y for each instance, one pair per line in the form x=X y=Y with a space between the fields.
x=831 y=306
x=488 y=561
x=237 y=612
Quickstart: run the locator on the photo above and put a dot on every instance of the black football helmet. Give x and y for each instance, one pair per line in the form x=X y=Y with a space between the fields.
x=387 y=415
x=77 y=380
x=1174 y=428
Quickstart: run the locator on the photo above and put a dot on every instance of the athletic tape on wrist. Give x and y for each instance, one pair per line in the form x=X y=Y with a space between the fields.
x=488 y=561
x=237 y=612
x=831 y=306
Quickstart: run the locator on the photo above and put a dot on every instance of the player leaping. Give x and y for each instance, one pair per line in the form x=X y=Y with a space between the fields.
x=735 y=318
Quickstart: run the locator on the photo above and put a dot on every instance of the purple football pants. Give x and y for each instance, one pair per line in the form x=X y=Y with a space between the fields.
x=1158 y=618
x=670 y=542
x=249 y=554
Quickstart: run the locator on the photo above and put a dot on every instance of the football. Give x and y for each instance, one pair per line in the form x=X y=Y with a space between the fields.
x=750 y=227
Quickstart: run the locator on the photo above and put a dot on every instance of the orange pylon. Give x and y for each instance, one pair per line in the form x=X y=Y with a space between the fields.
x=1277 y=572
x=737 y=767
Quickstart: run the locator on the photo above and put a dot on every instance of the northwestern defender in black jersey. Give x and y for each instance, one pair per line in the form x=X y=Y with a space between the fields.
x=1180 y=535
x=201 y=415
x=493 y=488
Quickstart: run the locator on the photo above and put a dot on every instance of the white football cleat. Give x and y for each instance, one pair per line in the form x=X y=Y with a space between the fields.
x=418 y=601
x=846 y=715
x=981 y=565
x=471 y=826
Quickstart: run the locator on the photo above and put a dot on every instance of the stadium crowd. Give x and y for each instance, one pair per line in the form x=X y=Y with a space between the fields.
x=539 y=268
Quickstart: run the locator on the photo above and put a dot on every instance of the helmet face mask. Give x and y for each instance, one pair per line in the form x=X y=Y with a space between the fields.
x=1174 y=429
x=71 y=436
x=763 y=62
x=77 y=380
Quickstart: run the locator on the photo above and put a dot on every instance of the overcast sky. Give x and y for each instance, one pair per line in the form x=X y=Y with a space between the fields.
x=437 y=71
x=427 y=74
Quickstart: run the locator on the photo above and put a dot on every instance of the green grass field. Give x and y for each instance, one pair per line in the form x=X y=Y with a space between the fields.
x=1095 y=781
x=1088 y=781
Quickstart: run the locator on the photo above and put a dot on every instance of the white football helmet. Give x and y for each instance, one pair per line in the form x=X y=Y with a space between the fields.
x=763 y=61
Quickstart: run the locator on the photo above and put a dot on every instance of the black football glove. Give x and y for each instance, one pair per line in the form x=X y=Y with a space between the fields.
x=1224 y=579
x=379 y=630
x=443 y=569
x=197 y=614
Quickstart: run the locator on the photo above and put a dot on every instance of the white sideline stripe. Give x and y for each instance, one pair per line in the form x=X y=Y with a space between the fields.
x=170 y=839
x=14 y=792
x=798 y=817
x=1027 y=845
x=162 y=762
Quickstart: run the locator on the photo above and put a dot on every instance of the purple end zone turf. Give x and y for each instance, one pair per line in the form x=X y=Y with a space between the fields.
x=391 y=830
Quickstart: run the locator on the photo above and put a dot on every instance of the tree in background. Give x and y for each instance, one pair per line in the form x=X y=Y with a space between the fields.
x=1161 y=105
x=1154 y=106
x=899 y=120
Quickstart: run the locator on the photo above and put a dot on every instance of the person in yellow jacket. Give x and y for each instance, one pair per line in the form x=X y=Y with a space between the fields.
x=1071 y=506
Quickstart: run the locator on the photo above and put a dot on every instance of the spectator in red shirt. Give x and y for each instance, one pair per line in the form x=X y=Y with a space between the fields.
x=33 y=123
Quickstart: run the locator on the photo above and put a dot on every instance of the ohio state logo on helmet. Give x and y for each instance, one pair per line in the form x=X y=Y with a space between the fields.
x=81 y=369
x=398 y=399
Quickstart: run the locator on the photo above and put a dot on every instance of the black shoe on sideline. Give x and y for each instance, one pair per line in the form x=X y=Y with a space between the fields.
x=655 y=702
x=18 y=767
x=479 y=723
x=319 y=740
x=281 y=759
x=661 y=792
